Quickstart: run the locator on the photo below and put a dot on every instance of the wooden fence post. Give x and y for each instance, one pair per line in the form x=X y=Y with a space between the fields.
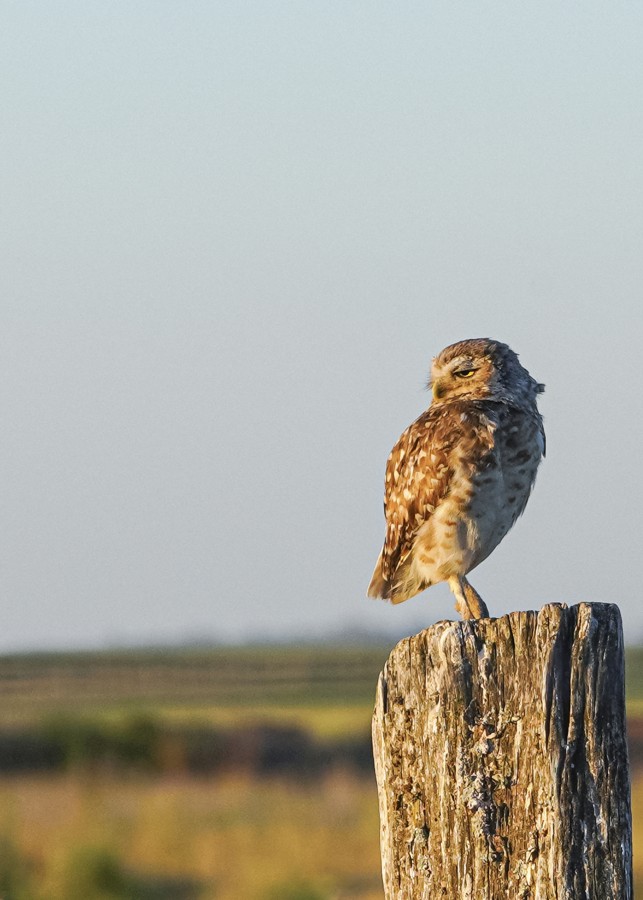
x=501 y=759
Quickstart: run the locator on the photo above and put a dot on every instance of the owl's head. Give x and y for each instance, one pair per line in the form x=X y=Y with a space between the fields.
x=481 y=369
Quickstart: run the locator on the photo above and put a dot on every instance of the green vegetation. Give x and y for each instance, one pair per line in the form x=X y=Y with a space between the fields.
x=231 y=683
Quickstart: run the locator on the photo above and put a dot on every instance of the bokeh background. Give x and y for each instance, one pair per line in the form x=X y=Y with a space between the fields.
x=233 y=236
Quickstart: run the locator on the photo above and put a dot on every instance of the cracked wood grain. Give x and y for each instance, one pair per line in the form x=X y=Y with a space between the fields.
x=501 y=760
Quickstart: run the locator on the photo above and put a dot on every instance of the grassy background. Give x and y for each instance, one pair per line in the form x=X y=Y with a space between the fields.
x=123 y=812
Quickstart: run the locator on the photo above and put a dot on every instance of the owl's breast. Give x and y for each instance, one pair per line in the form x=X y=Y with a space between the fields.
x=502 y=483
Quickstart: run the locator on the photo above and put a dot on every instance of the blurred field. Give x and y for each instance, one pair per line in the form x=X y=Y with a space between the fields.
x=124 y=811
x=327 y=689
x=229 y=838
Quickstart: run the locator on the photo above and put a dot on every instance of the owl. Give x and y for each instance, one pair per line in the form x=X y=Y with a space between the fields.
x=461 y=474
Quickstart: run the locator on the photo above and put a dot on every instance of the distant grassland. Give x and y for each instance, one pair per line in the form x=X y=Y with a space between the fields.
x=327 y=689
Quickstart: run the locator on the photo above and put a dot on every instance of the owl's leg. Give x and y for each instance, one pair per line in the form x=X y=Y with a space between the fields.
x=468 y=601
x=475 y=602
x=457 y=586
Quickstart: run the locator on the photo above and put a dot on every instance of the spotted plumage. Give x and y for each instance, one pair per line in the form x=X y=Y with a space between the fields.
x=461 y=474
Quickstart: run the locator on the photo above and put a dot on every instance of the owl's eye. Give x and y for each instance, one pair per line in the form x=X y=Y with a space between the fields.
x=464 y=373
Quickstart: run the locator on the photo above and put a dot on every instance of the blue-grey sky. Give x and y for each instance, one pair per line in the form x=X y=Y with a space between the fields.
x=233 y=236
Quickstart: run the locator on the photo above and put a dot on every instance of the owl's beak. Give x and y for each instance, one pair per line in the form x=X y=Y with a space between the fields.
x=439 y=389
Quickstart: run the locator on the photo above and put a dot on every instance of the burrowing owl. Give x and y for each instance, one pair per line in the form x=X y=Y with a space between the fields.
x=461 y=474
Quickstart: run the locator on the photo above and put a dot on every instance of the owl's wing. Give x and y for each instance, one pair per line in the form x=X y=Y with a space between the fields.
x=418 y=477
x=418 y=473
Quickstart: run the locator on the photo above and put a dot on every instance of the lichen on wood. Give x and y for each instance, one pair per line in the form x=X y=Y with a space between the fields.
x=501 y=759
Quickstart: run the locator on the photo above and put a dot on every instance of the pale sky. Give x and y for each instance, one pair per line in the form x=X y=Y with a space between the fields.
x=233 y=236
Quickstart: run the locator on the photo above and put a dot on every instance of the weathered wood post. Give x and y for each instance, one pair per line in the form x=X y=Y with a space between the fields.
x=501 y=760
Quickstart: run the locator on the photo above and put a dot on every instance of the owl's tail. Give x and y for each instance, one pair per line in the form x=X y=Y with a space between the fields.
x=379 y=587
x=406 y=583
